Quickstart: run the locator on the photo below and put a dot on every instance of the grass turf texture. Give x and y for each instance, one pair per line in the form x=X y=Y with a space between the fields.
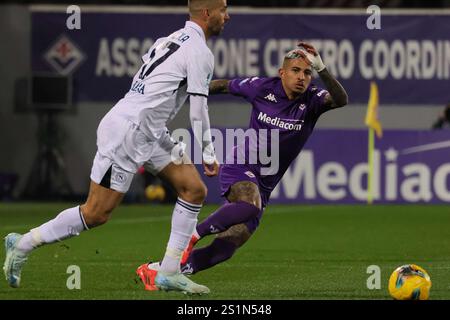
x=298 y=252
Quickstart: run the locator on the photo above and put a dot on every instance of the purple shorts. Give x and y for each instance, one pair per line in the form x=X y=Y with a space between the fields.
x=231 y=174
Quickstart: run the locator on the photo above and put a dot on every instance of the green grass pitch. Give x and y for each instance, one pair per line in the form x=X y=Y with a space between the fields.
x=298 y=252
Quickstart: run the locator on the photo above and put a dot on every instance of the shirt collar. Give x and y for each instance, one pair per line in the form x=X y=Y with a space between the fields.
x=196 y=27
x=279 y=90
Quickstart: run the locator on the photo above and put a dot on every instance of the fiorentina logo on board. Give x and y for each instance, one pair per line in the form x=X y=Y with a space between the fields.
x=64 y=56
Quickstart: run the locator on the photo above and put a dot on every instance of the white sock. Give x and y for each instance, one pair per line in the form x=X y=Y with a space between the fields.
x=184 y=221
x=65 y=225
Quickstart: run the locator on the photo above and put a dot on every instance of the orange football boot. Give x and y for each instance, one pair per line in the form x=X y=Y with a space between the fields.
x=147 y=276
x=187 y=252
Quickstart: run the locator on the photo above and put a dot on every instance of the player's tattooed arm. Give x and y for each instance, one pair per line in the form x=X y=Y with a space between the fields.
x=337 y=96
x=218 y=86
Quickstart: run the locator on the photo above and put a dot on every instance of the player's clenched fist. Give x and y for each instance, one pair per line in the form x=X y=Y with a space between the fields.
x=312 y=56
x=211 y=170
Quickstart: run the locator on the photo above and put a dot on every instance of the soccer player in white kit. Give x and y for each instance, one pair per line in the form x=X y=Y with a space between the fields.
x=133 y=133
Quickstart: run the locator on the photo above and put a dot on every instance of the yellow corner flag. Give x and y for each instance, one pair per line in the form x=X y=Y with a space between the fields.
x=372 y=111
x=374 y=125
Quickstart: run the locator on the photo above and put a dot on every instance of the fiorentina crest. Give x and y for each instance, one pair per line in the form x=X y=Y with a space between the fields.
x=64 y=56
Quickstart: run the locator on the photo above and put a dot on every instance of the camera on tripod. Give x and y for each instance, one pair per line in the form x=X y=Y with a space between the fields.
x=48 y=95
x=51 y=93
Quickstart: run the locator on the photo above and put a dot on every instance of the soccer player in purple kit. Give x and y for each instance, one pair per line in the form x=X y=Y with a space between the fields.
x=289 y=103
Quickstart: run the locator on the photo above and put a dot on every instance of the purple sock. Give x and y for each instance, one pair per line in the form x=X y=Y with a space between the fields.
x=226 y=216
x=200 y=259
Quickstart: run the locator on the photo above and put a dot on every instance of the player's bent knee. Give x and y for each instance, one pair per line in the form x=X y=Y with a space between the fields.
x=245 y=191
x=194 y=193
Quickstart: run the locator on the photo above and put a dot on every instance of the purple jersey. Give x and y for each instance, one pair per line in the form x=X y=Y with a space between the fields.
x=294 y=119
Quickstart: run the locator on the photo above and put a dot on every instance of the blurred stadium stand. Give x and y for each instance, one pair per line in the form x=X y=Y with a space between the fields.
x=267 y=3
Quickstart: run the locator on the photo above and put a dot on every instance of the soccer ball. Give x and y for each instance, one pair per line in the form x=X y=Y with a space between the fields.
x=409 y=282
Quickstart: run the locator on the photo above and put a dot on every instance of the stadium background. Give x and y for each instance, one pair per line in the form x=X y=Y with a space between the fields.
x=401 y=120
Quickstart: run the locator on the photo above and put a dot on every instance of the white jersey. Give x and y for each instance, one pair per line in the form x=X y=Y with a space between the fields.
x=174 y=67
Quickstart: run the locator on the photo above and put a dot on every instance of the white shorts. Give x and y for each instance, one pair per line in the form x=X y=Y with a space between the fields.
x=116 y=164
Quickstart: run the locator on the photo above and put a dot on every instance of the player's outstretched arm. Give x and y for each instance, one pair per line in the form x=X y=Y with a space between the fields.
x=337 y=96
x=200 y=120
x=219 y=86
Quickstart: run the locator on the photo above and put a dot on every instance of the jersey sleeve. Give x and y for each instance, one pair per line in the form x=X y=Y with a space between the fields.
x=318 y=101
x=245 y=87
x=200 y=68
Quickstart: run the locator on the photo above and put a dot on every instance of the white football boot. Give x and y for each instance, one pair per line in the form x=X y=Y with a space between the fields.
x=179 y=282
x=14 y=261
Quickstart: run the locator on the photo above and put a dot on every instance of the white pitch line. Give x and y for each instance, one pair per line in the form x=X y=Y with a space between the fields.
x=153 y=219
x=17 y=226
x=112 y=221
x=140 y=220
x=427 y=147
